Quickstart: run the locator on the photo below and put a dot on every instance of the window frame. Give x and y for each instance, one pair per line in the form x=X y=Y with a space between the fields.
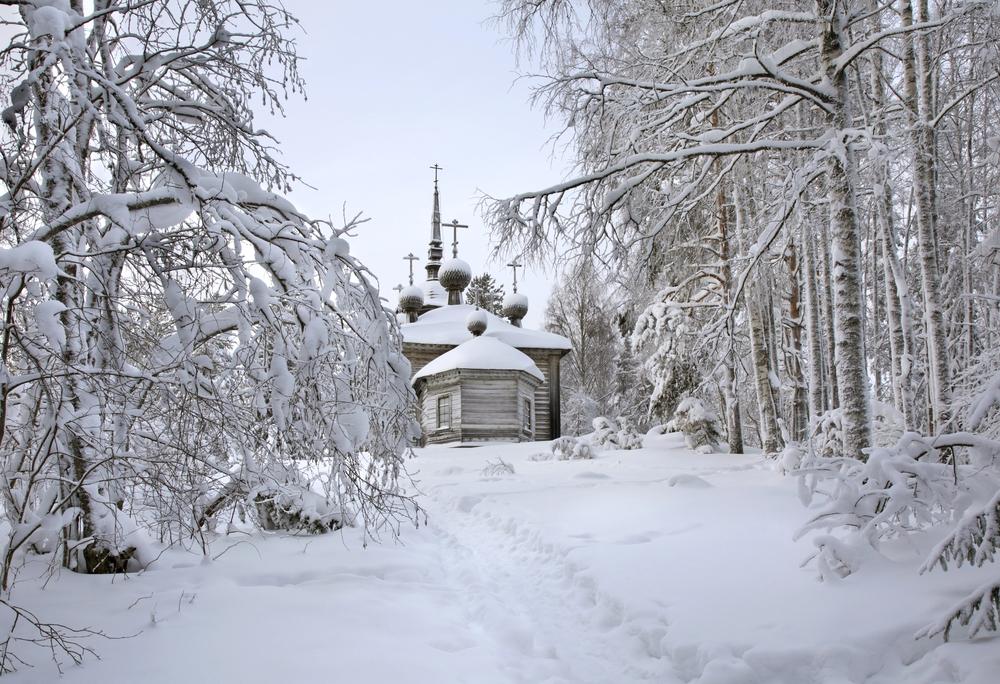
x=528 y=417
x=439 y=425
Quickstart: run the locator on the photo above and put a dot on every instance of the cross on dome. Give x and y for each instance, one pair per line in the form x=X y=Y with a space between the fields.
x=515 y=265
x=455 y=225
x=409 y=257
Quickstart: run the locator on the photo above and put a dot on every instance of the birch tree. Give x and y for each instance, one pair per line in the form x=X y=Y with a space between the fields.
x=666 y=104
x=177 y=336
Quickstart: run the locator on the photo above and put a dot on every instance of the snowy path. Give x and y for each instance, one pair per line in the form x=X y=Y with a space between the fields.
x=659 y=565
x=553 y=621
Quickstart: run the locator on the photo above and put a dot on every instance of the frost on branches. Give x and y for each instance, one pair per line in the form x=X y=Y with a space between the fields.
x=183 y=351
x=916 y=485
x=664 y=326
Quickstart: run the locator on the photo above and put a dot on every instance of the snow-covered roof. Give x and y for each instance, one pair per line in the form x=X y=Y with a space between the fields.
x=481 y=353
x=447 y=325
x=434 y=294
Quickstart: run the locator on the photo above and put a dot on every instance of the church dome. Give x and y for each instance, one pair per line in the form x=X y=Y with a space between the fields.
x=455 y=274
x=476 y=322
x=515 y=306
x=411 y=298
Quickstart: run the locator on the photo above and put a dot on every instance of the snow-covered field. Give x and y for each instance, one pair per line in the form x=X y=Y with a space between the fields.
x=653 y=565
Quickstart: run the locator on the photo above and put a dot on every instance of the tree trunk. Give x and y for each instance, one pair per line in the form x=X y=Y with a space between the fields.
x=793 y=357
x=814 y=334
x=730 y=395
x=831 y=394
x=922 y=141
x=767 y=406
x=849 y=344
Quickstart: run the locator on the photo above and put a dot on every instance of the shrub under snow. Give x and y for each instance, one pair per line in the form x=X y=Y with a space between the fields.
x=887 y=428
x=917 y=486
x=698 y=423
x=571 y=449
x=615 y=434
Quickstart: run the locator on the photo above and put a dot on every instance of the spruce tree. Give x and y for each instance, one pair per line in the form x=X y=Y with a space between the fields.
x=486 y=293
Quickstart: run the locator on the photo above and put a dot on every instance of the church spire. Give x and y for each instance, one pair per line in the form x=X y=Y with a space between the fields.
x=435 y=252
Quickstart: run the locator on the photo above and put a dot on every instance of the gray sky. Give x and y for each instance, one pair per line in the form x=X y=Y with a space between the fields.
x=394 y=87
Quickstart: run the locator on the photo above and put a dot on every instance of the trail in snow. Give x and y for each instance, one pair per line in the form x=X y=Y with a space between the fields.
x=550 y=619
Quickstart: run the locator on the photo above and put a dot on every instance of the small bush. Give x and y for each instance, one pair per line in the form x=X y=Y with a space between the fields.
x=296 y=509
x=571 y=449
x=498 y=469
x=887 y=429
x=615 y=434
x=698 y=423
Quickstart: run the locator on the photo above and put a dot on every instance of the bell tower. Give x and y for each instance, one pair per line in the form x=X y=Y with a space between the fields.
x=435 y=251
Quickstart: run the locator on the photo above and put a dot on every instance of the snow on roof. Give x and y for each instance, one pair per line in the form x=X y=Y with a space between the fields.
x=434 y=294
x=481 y=353
x=447 y=325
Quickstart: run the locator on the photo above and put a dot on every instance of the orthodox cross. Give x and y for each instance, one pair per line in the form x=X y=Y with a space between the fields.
x=409 y=257
x=455 y=225
x=436 y=169
x=514 y=265
x=398 y=289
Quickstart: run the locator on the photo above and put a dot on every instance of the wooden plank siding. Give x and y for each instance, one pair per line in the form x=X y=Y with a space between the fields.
x=438 y=386
x=547 y=424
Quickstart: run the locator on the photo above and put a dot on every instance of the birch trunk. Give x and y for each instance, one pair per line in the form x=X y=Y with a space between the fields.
x=849 y=350
x=770 y=433
x=921 y=138
x=793 y=357
x=814 y=334
x=730 y=395
x=760 y=355
x=831 y=393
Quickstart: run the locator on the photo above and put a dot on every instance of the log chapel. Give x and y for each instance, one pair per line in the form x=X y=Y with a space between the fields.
x=478 y=377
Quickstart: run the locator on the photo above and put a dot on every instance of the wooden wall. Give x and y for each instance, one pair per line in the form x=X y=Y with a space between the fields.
x=486 y=406
x=430 y=390
x=547 y=419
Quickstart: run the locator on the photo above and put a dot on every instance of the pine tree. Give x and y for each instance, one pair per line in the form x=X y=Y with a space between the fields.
x=486 y=293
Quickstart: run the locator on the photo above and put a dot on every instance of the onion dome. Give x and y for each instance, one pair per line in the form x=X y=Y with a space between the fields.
x=455 y=274
x=515 y=307
x=476 y=322
x=410 y=300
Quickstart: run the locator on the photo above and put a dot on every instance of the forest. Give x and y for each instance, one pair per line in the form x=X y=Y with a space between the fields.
x=795 y=206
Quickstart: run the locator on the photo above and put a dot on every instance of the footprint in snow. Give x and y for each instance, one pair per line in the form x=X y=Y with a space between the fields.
x=687 y=480
x=467 y=503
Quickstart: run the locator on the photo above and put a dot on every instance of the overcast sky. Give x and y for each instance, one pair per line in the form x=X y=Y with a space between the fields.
x=393 y=88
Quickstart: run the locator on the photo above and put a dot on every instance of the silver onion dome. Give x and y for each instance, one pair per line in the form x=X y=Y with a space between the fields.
x=515 y=306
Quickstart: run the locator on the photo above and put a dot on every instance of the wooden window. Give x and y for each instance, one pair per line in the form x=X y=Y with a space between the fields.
x=528 y=419
x=444 y=412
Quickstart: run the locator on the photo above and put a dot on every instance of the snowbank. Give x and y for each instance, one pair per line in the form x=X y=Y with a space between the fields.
x=656 y=564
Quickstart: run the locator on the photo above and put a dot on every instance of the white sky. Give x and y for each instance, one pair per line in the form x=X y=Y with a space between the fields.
x=393 y=88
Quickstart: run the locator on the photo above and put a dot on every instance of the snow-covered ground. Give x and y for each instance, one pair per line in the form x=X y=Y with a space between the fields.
x=653 y=565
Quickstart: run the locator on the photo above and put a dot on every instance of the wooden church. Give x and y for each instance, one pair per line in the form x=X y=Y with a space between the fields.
x=478 y=377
